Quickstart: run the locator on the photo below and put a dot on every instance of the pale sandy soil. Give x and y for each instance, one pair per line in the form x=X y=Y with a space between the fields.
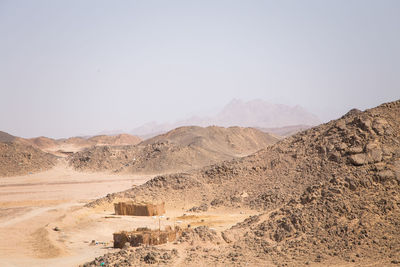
x=32 y=206
x=68 y=148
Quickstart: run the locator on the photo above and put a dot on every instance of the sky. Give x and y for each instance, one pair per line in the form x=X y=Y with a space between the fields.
x=77 y=67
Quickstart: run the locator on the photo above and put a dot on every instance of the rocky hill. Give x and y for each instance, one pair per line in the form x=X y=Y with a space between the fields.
x=230 y=141
x=180 y=149
x=114 y=140
x=74 y=144
x=41 y=142
x=328 y=195
x=5 y=137
x=22 y=156
x=17 y=157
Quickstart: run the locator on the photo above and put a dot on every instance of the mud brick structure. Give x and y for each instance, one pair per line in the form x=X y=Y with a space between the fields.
x=145 y=236
x=139 y=209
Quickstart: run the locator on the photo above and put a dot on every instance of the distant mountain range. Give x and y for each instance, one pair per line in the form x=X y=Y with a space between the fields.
x=255 y=113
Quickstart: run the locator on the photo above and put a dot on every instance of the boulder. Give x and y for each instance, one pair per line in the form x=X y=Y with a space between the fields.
x=358 y=159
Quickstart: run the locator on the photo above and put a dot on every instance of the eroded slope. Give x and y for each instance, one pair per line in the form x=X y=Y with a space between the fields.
x=328 y=195
x=20 y=159
x=181 y=149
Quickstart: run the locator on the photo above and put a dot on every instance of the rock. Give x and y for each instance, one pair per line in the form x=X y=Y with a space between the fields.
x=379 y=125
x=150 y=258
x=202 y=207
x=342 y=146
x=166 y=256
x=358 y=159
x=385 y=175
x=341 y=125
x=217 y=202
x=387 y=151
x=374 y=152
x=363 y=123
x=226 y=237
x=56 y=229
x=375 y=155
x=335 y=156
x=355 y=150
x=351 y=184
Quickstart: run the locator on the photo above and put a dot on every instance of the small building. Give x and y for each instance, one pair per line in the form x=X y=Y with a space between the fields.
x=139 y=209
x=145 y=236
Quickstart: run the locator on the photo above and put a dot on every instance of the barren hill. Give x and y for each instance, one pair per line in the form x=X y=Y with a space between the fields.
x=17 y=157
x=232 y=140
x=74 y=144
x=180 y=149
x=120 y=139
x=328 y=195
x=5 y=137
x=42 y=142
x=22 y=156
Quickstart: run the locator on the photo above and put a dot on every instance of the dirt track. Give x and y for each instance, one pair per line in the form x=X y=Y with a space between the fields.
x=32 y=205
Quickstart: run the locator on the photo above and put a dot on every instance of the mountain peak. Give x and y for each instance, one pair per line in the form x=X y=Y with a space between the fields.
x=253 y=113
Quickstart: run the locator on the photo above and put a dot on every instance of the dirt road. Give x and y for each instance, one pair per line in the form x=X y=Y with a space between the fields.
x=32 y=206
x=43 y=221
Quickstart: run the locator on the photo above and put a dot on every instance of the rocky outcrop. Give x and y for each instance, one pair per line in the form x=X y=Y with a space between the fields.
x=327 y=195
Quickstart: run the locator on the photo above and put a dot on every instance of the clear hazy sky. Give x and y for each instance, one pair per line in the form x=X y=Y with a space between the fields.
x=81 y=67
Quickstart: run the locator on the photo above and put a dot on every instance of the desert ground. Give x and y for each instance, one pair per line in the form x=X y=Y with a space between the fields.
x=326 y=196
x=44 y=222
x=43 y=217
x=33 y=205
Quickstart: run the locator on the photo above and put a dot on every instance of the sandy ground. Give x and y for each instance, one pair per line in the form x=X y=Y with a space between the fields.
x=32 y=206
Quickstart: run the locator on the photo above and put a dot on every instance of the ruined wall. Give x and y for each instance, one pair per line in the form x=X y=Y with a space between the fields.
x=139 y=209
x=144 y=236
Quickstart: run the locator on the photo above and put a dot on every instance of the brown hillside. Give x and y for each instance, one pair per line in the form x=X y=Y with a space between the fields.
x=328 y=195
x=5 y=137
x=75 y=141
x=42 y=142
x=19 y=159
x=74 y=144
x=121 y=139
x=180 y=149
x=232 y=140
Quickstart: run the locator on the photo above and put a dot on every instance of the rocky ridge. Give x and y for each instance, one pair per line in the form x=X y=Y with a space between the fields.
x=326 y=195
